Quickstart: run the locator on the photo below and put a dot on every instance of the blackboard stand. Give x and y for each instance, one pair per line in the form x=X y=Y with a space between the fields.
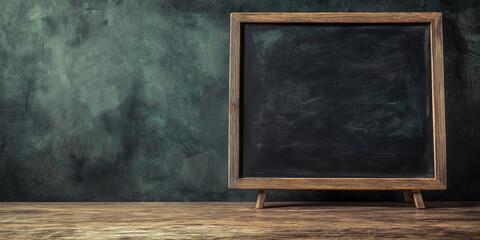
x=261 y=198
x=409 y=195
x=351 y=69
x=414 y=196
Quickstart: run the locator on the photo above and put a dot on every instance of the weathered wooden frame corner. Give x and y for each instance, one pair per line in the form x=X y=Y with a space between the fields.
x=439 y=182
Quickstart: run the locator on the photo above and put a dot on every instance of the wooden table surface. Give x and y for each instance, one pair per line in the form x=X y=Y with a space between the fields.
x=220 y=220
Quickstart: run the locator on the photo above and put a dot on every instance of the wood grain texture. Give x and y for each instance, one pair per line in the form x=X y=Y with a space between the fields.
x=338 y=183
x=364 y=17
x=207 y=220
x=438 y=101
x=262 y=194
x=417 y=197
x=407 y=194
x=234 y=102
x=436 y=183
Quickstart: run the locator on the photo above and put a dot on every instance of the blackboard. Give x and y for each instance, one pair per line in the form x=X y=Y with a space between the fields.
x=335 y=100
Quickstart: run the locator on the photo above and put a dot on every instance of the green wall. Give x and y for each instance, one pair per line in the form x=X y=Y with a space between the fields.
x=127 y=100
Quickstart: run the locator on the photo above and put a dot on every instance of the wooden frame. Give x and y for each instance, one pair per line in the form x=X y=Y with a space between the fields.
x=439 y=182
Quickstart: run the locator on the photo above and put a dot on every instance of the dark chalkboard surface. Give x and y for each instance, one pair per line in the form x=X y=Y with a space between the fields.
x=336 y=100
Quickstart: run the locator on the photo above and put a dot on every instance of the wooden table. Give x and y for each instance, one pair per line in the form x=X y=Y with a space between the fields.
x=220 y=220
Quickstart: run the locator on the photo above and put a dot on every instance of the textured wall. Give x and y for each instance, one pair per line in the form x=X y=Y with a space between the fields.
x=127 y=100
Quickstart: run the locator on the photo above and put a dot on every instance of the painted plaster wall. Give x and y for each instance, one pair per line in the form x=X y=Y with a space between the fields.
x=127 y=100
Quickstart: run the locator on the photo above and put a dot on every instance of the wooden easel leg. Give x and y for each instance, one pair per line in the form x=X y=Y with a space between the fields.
x=408 y=195
x=417 y=197
x=261 y=198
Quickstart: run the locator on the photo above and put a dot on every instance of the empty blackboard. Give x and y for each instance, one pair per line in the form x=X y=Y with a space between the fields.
x=343 y=99
x=336 y=100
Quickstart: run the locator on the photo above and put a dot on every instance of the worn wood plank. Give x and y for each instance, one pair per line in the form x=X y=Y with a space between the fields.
x=338 y=183
x=234 y=102
x=438 y=100
x=363 y=17
x=223 y=220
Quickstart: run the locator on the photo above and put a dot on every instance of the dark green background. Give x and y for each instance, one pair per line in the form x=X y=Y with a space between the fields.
x=127 y=100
